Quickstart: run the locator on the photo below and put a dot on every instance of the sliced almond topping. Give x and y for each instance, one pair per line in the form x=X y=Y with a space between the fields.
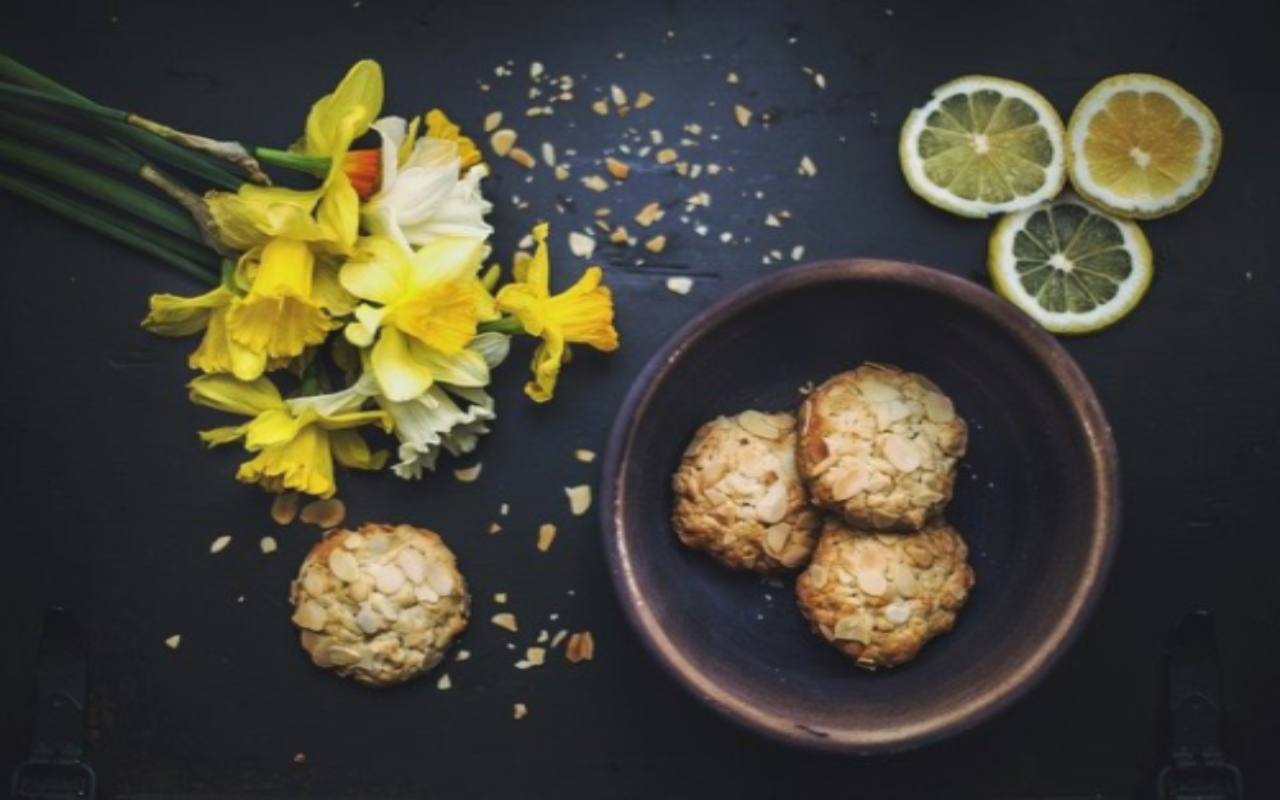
x=657 y=244
x=650 y=214
x=439 y=577
x=581 y=245
x=939 y=408
x=505 y=620
x=754 y=422
x=581 y=647
x=284 y=508
x=310 y=615
x=776 y=537
x=872 y=582
x=920 y=556
x=904 y=581
x=679 y=284
x=643 y=100
x=617 y=168
x=492 y=120
x=546 y=535
x=666 y=155
x=853 y=629
x=521 y=157
x=502 y=141
x=344 y=566
x=772 y=506
x=901 y=452
x=849 y=483
x=219 y=544
x=324 y=513
x=579 y=499
x=742 y=114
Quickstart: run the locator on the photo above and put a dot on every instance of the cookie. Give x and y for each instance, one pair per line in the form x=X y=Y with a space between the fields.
x=379 y=605
x=739 y=497
x=879 y=446
x=878 y=597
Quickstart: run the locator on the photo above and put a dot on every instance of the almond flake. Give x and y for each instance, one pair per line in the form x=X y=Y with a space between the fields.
x=619 y=235
x=505 y=620
x=649 y=214
x=655 y=136
x=494 y=528
x=462 y=655
x=562 y=172
x=546 y=535
x=581 y=245
x=267 y=545
x=468 y=474
x=537 y=656
x=324 y=513
x=581 y=647
x=618 y=96
x=644 y=100
x=807 y=167
x=680 y=284
x=502 y=141
x=617 y=168
x=700 y=199
x=519 y=711
x=499 y=597
x=220 y=544
x=585 y=456
x=284 y=508
x=595 y=183
x=445 y=683
x=742 y=114
x=601 y=107
x=558 y=638
x=579 y=498
x=772 y=221
x=549 y=154
x=797 y=252
x=535 y=70
x=666 y=155
x=492 y=120
x=657 y=244
x=820 y=80
x=732 y=77
x=521 y=157
x=602 y=211
x=173 y=641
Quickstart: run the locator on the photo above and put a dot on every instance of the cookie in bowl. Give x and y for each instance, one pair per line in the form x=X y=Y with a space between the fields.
x=380 y=604
x=878 y=446
x=878 y=597
x=739 y=497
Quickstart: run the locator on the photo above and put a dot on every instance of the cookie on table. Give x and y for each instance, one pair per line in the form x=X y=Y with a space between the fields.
x=878 y=446
x=878 y=597
x=379 y=605
x=739 y=497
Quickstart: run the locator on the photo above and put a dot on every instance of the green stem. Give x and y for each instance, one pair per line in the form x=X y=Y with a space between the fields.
x=114 y=226
x=11 y=70
x=508 y=325
x=312 y=165
x=106 y=189
x=112 y=155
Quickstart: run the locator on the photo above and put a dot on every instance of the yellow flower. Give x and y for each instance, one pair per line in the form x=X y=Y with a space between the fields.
x=329 y=214
x=582 y=314
x=439 y=126
x=295 y=441
x=280 y=316
x=430 y=302
x=182 y=316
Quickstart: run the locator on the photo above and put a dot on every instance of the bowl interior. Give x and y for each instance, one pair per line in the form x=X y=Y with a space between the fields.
x=1029 y=501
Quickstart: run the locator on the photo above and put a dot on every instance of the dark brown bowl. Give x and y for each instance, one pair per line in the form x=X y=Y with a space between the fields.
x=1036 y=498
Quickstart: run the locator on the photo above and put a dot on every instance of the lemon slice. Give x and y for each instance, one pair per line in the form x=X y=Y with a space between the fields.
x=1071 y=267
x=1142 y=146
x=983 y=146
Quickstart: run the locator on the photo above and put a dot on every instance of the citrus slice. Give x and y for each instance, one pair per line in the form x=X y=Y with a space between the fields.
x=1071 y=267
x=983 y=146
x=1141 y=146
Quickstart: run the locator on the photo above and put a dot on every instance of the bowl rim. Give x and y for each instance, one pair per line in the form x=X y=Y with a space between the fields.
x=1104 y=530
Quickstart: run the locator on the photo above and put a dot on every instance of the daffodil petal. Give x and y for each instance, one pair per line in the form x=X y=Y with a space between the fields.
x=338 y=118
x=492 y=347
x=464 y=368
x=400 y=377
x=302 y=464
x=225 y=435
x=339 y=211
x=225 y=393
x=446 y=260
x=378 y=271
x=392 y=131
x=352 y=451
x=171 y=315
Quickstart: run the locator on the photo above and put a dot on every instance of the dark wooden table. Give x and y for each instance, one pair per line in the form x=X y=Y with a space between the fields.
x=111 y=502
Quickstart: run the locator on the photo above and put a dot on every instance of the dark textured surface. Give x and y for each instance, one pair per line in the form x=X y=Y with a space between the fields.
x=112 y=503
x=1035 y=500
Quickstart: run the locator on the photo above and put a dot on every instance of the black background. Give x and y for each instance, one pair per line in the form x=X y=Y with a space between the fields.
x=111 y=502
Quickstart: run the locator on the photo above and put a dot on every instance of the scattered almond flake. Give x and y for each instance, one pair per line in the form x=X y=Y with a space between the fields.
x=624 y=149
x=579 y=498
x=562 y=172
x=267 y=545
x=650 y=214
x=726 y=236
x=772 y=221
x=499 y=597
x=539 y=111
x=888 y=12
x=644 y=151
x=299 y=758
x=601 y=107
x=602 y=225
x=644 y=100
x=699 y=199
x=525 y=242
x=220 y=544
x=444 y=683
x=695 y=170
x=549 y=154
x=555 y=615
x=619 y=235
x=581 y=647
x=617 y=168
x=700 y=229
x=558 y=638
x=468 y=474
x=680 y=284
x=284 y=508
x=535 y=70
x=784 y=214
x=713 y=169
x=797 y=252
x=618 y=96
x=534 y=92
x=536 y=656
x=521 y=157
x=585 y=456
x=595 y=183
x=820 y=80
x=523 y=663
x=683 y=168
x=546 y=535
x=543 y=636
x=494 y=528
x=324 y=513
x=655 y=136
x=462 y=655
x=581 y=245
x=173 y=641
x=502 y=141
x=504 y=509
x=657 y=244
x=742 y=114
x=666 y=155
x=602 y=211
x=619 y=55
x=519 y=711
x=776 y=255
x=505 y=620
x=807 y=167
x=694 y=128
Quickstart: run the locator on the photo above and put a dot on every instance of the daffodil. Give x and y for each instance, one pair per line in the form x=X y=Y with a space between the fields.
x=582 y=314
x=172 y=315
x=328 y=215
x=429 y=303
x=295 y=441
x=430 y=187
x=280 y=316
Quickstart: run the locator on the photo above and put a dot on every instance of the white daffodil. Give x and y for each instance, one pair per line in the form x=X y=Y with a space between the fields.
x=426 y=191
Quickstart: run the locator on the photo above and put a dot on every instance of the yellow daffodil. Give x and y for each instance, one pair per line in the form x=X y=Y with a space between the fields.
x=280 y=316
x=329 y=214
x=295 y=441
x=582 y=314
x=429 y=303
x=439 y=126
x=172 y=315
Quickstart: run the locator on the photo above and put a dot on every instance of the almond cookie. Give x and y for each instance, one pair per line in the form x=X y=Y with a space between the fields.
x=739 y=497
x=878 y=446
x=379 y=605
x=878 y=597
